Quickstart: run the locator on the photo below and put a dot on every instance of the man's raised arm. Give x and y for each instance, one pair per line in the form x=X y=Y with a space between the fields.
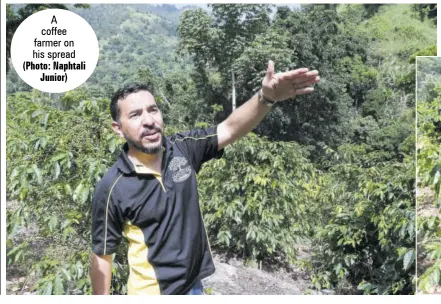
x=275 y=87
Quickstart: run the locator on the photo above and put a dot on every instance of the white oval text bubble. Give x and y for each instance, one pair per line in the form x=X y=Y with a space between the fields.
x=54 y=50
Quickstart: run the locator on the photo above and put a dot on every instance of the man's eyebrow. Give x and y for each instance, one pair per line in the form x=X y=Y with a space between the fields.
x=134 y=110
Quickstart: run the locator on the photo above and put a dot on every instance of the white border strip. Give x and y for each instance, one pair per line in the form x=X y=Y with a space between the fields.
x=56 y=299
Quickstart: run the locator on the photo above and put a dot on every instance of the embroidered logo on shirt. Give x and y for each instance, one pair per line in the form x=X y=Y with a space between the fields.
x=180 y=169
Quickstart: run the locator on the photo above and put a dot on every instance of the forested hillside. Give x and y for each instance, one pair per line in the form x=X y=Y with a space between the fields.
x=333 y=171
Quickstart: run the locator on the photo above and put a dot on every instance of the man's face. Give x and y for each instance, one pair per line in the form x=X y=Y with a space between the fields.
x=140 y=122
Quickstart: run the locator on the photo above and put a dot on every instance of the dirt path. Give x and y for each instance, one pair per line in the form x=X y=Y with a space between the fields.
x=233 y=278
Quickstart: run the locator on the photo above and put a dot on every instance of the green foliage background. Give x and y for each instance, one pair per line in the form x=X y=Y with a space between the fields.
x=333 y=170
x=429 y=171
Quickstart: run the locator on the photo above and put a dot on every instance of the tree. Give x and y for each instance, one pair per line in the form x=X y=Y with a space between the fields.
x=216 y=41
x=426 y=11
x=242 y=38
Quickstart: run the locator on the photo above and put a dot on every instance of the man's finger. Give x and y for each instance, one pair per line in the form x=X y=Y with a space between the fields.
x=308 y=82
x=293 y=74
x=304 y=91
x=302 y=78
x=270 y=70
x=305 y=77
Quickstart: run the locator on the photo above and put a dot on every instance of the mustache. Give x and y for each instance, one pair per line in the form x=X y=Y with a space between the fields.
x=150 y=131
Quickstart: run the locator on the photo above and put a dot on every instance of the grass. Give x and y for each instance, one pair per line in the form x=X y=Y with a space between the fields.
x=396 y=30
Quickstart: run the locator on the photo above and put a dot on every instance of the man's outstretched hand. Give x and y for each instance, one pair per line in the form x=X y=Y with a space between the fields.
x=281 y=86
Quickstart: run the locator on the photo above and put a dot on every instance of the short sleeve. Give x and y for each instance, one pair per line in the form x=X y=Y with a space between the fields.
x=107 y=221
x=201 y=145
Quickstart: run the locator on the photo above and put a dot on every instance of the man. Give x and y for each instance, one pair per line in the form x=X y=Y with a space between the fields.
x=150 y=193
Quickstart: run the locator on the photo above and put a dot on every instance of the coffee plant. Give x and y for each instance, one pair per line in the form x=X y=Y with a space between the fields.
x=429 y=173
x=369 y=238
x=256 y=198
x=54 y=159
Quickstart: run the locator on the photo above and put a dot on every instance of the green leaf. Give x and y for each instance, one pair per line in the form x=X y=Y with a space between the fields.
x=46 y=117
x=48 y=289
x=436 y=253
x=23 y=193
x=66 y=274
x=431 y=222
x=58 y=157
x=68 y=189
x=57 y=170
x=79 y=267
x=435 y=276
x=58 y=286
x=408 y=259
x=81 y=193
x=424 y=284
x=112 y=145
x=84 y=195
x=53 y=223
x=37 y=113
x=43 y=142
x=37 y=174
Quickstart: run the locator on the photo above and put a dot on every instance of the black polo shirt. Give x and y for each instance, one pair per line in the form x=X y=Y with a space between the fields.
x=159 y=214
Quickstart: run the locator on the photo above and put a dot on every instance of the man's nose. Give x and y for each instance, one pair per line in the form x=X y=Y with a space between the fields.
x=147 y=120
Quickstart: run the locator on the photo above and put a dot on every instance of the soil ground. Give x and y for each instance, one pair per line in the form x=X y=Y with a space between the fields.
x=233 y=278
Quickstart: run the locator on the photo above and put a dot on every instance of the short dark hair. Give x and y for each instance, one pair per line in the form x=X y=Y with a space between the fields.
x=123 y=93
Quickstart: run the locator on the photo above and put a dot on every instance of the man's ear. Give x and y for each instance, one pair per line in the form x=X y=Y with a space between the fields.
x=117 y=128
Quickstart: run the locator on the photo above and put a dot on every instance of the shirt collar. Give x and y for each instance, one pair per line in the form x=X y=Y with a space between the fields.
x=126 y=166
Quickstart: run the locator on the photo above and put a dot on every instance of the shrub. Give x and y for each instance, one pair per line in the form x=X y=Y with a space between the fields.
x=256 y=198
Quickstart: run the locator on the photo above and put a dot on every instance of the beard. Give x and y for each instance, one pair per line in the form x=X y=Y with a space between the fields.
x=153 y=148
